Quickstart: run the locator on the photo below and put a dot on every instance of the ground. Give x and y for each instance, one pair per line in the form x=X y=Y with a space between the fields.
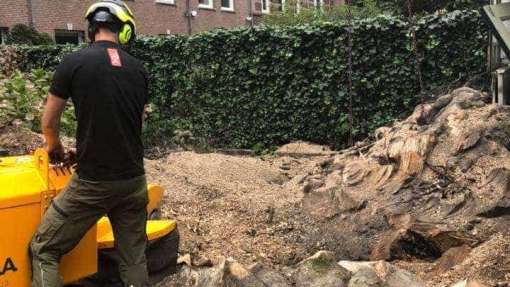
x=429 y=194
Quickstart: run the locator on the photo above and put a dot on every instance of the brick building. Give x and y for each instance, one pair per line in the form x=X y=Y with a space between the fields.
x=64 y=20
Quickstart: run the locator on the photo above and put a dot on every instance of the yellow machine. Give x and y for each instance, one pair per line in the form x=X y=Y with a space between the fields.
x=27 y=186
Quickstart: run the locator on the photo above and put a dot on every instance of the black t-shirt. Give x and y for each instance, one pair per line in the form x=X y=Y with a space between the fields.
x=108 y=88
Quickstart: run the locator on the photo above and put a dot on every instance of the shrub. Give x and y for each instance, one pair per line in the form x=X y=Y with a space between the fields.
x=270 y=85
x=8 y=61
x=291 y=17
x=400 y=7
x=22 y=34
x=22 y=97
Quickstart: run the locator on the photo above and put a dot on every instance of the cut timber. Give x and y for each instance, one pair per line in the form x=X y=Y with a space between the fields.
x=499 y=179
x=413 y=239
x=452 y=258
x=381 y=175
x=468 y=140
x=355 y=172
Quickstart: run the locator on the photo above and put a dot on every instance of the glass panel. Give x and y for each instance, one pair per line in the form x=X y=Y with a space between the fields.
x=69 y=37
x=225 y=4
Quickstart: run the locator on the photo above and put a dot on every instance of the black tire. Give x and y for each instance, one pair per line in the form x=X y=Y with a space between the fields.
x=161 y=254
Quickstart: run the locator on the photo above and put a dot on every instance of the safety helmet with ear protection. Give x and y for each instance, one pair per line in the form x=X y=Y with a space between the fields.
x=113 y=11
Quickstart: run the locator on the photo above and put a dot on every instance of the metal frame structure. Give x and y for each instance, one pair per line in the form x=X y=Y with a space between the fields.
x=498 y=16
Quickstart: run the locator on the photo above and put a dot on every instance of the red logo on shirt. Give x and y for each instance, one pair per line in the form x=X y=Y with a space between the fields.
x=114 y=57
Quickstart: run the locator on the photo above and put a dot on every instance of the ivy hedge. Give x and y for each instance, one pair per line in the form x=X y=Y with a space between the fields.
x=270 y=85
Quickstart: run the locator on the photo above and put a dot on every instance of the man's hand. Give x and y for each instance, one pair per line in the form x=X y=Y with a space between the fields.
x=56 y=153
x=50 y=125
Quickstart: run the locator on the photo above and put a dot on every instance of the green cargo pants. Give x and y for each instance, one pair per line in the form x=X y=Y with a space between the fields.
x=75 y=210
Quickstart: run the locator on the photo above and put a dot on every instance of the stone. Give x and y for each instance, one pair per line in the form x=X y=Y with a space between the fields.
x=388 y=274
x=237 y=275
x=468 y=283
x=365 y=277
x=184 y=259
x=267 y=276
x=320 y=270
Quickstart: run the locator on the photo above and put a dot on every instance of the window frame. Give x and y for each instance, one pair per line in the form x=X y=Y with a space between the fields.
x=80 y=35
x=165 y=2
x=268 y=6
x=3 y=34
x=206 y=6
x=228 y=9
x=318 y=4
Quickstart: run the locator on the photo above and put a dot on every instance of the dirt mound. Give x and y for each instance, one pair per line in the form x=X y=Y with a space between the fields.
x=228 y=205
x=303 y=148
x=428 y=192
x=439 y=178
x=21 y=141
x=18 y=141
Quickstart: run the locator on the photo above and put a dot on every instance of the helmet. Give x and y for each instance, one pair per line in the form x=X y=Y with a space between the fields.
x=113 y=11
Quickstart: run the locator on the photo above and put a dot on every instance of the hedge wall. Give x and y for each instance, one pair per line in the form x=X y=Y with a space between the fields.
x=269 y=85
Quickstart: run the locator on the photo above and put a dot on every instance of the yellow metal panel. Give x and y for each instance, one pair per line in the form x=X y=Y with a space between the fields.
x=20 y=181
x=155 y=197
x=25 y=193
x=27 y=185
x=18 y=227
x=155 y=230
x=82 y=261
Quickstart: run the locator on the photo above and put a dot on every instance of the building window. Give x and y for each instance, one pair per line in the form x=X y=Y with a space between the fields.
x=266 y=6
x=318 y=3
x=227 y=5
x=170 y=2
x=277 y=5
x=3 y=34
x=205 y=4
x=69 y=37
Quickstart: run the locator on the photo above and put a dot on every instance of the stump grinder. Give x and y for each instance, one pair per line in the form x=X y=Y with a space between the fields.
x=27 y=186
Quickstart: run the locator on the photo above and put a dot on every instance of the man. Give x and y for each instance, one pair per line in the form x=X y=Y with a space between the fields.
x=108 y=88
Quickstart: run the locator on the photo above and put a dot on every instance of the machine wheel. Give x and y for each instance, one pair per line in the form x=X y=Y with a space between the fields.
x=161 y=254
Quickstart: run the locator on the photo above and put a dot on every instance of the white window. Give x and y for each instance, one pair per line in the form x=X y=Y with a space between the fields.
x=205 y=4
x=3 y=34
x=266 y=6
x=318 y=3
x=170 y=2
x=227 y=5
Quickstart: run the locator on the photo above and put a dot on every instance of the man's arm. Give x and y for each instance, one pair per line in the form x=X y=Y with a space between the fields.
x=50 y=125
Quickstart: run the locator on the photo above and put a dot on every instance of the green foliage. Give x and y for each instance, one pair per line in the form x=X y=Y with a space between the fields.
x=8 y=61
x=22 y=98
x=24 y=35
x=420 y=7
x=269 y=85
x=292 y=16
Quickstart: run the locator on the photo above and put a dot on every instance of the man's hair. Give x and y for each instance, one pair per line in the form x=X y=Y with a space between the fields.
x=112 y=27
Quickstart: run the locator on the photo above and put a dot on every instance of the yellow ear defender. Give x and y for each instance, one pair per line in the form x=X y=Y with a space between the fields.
x=125 y=34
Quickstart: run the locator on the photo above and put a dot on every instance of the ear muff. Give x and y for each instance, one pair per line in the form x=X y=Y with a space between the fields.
x=125 y=34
